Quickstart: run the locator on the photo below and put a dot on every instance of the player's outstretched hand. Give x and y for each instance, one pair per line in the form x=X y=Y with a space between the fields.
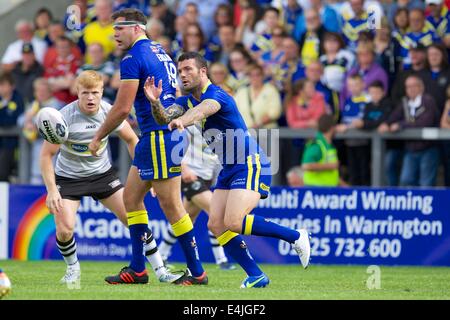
x=54 y=202
x=151 y=91
x=176 y=124
x=94 y=146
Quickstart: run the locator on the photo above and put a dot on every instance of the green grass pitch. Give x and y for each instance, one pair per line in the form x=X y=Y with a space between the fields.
x=40 y=280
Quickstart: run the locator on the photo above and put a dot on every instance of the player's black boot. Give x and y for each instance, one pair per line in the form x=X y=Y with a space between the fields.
x=128 y=276
x=188 y=279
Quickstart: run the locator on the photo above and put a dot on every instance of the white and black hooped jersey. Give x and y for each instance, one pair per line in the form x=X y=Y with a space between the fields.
x=74 y=159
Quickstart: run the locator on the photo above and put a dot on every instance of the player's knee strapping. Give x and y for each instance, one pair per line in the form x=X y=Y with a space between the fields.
x=137 y=217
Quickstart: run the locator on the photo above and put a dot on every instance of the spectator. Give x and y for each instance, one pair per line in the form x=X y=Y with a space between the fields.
x=367 y=68
x=320 y=162
x=271 y=59
x=385 y=51
x=239 y=61
x=205 y=16
x=292 y=11
x=314 y=73
x=395 y=7
x=377 y=110
x=445 y=123
x=103 y=67
x=160 y=10
x=190 y=12
x=222 y=17
x=417 y=110
x=294 y=177
x=311 y=39
x=26 y=71
x=358 y=151
x=335 y=61
x=61 y=71
x=11 y=107
x=306 y=106
x=42 y=20
x=259 y=103
x=400 y=24
x=355 y=24
x=290 y=69
x=263 y=42
x=439 y=19
x=220 y=76
x=43 y=99
x=155 y=29
x=100 y=31
x=418 y=33
x=437 y=73
x=227 y=42
x=418 y=54
x=328 y=17
x=13 y=53
x=245 y=31
x=194 y=41
x=56 y=31
x=180 y=28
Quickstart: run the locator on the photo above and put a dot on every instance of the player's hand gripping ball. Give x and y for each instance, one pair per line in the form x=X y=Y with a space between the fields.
x=5 y=284
x=52 y=126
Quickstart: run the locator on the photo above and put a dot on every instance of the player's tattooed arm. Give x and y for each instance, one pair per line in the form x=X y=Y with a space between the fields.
x=202 y=111
x=165 y=115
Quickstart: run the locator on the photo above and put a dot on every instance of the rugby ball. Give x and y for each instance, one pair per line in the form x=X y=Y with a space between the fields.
x=5 y=284
x=52 y=126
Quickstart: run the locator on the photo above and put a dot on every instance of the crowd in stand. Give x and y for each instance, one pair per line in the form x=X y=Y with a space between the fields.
x=371 y=65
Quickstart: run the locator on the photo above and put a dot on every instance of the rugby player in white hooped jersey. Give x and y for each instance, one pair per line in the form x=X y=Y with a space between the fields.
x=78 y=173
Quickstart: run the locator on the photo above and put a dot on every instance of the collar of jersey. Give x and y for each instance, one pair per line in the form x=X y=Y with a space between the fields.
x=143 y=37
x=206 y=86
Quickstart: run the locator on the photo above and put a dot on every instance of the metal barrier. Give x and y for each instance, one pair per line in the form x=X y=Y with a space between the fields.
x=377 y=147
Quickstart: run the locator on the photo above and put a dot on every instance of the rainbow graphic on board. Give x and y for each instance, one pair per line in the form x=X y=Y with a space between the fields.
x=35 y=236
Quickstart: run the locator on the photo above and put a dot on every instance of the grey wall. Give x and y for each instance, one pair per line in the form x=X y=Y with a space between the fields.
x=26 y=10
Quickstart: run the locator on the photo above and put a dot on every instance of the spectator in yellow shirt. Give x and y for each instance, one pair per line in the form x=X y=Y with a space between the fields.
x=101 y=31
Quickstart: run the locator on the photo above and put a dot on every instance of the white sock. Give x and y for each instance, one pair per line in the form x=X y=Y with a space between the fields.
x=165 y=247
x=153 y=256
x=218 y=252
x=69 y=252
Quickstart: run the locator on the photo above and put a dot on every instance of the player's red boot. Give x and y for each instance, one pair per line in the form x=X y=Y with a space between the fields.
x=128 y=276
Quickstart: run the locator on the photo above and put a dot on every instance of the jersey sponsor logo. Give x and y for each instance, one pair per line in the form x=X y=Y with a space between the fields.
x=175 y=169
x=264 y=187
x=240 y=181
x=114 y=184
x=91 y=126
x=127 y=56
x=154 y=49
x=79 y=147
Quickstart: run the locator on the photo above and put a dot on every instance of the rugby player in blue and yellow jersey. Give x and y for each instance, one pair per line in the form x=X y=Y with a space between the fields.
x=246 y=174
x=154 y=165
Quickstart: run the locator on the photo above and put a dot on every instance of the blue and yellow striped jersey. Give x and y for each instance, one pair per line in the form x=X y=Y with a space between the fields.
x=146 y=59
x=411 y=39
x=351 y=28
x=441 y=26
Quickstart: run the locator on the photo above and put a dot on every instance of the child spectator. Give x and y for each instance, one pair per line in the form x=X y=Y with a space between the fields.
x=358 y=151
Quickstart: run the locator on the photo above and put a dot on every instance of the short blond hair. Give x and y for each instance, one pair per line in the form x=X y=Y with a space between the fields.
x=89 y=79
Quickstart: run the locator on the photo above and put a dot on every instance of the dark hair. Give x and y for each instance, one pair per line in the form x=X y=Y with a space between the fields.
x=228 y=10
x=443 y=50
x=41 y=11
x=334 y=36
x=326 y=122
x=130 y=14
x=200 y=61
x=272 y=9
x=200 y=33
x=7 y=77
x=377 y=84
